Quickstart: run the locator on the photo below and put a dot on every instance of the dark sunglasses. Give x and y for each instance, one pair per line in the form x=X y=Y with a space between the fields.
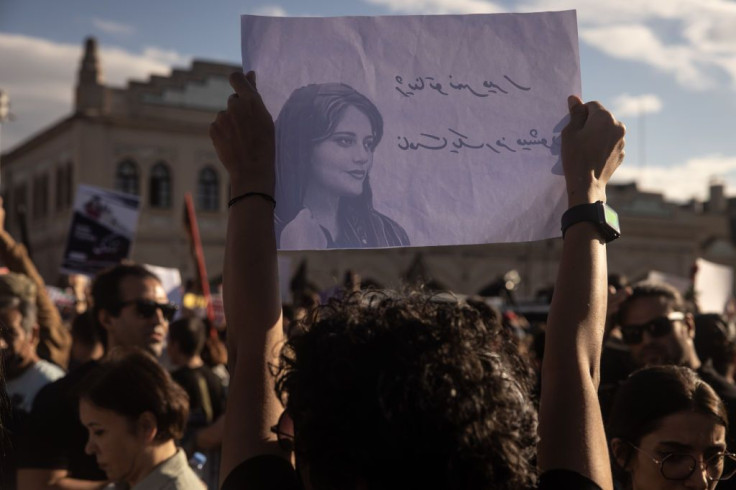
x=284 y=430
x=659 y=327
x=146 y=308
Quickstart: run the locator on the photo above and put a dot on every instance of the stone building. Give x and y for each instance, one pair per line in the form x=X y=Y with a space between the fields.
x=150 y=138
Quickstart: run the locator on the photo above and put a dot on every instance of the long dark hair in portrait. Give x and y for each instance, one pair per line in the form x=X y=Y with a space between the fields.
x=308 y=117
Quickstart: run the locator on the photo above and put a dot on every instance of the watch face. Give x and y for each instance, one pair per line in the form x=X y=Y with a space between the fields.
x=611 y=217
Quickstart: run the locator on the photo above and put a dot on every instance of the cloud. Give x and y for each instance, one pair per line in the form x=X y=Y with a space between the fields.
x=634 y=105
x=112 y=27
x=692 y=40
x=636 y=42
x=440 y=6
x=684 y=181
x=43 y=76
x=270 y=11
x=166 y=57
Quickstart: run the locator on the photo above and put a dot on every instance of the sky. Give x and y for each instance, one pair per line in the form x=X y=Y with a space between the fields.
x=666 y=68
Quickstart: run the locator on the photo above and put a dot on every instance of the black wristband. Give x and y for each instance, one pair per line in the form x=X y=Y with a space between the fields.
x=263 y=195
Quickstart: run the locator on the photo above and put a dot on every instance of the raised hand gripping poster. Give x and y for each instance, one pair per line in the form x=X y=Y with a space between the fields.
x=416 y=130
x=102 y=230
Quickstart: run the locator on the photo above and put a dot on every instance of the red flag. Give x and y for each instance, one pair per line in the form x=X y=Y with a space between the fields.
x=190 y=221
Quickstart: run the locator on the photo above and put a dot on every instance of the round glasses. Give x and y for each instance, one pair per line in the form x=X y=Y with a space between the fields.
x=679 y=466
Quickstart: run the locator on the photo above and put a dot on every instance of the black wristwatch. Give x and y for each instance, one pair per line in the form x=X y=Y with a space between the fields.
x=599 y=213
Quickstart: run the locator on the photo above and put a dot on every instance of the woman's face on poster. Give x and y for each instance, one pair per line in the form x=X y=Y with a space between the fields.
x=341 y=163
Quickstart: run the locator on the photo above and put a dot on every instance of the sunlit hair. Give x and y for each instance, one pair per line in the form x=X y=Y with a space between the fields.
x=652 y=289
x=106 y=286
x=130 y=383
x=408 y=391
x=651 y=394
x=308 y=117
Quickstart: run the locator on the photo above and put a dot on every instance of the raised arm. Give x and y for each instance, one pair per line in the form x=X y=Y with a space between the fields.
x=571 y=429
x=55 y=339
x=243 y=137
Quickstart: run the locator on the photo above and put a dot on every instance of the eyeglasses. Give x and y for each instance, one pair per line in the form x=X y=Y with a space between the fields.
x=284 y=430
x=659 y=327
x=146 y=308
x=679 y=466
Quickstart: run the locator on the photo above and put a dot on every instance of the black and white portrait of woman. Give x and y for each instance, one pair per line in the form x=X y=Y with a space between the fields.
x=326 y=137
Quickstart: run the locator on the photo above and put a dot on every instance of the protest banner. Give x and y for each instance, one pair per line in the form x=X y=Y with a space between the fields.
x=102 y=230
x=416 y=130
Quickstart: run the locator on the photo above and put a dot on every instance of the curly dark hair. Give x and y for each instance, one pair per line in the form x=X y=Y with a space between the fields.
x=408 y=390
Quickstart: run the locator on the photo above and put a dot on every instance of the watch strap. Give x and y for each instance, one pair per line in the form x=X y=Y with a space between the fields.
x=594 y=213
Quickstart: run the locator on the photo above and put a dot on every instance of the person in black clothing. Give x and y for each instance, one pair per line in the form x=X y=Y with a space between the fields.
x=206 y=392
x=131 y=305
x=385 y=368
x=715 y=341
x=206 y=395
x=659 y=331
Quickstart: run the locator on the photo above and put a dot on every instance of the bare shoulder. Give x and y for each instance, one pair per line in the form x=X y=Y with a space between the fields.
x=303 y=232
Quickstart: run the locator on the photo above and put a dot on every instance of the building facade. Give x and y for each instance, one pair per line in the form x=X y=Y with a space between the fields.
x=151 y=138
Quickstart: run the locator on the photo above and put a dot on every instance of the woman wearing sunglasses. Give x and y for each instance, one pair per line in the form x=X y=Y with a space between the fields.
x=668 y=430
x=391 y=391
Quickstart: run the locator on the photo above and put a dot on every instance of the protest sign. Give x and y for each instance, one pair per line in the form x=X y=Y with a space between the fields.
x=102 y=230
x=416 y=130
x=713 y=286
x=171 y=281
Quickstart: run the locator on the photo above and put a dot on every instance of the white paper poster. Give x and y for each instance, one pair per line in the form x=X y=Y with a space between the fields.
x=713 y=286
x=416 y=130
x=171 y=281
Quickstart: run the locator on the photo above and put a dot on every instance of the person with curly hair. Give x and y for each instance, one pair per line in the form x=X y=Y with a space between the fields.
x=397 y=391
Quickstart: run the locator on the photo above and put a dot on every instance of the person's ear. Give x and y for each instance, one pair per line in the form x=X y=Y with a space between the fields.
x=146 y=426
x=35 y=336
x=690 y=325
x=621 y=452
x=105 y=318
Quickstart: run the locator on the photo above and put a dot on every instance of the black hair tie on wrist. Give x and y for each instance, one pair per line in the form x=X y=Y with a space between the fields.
x=263 y=195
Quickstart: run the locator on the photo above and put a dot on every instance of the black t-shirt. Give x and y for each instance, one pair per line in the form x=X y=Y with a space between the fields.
x=206 y=394
x=55 y=437
x=273 y=473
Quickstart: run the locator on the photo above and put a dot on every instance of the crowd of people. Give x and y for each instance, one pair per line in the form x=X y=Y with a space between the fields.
x=620 y=386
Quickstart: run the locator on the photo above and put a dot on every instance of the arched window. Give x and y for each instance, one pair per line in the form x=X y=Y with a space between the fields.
x=208 y=190
x=70 y=184
x=126 y=177
x=64 y=193
x=160 y=188
x=61 y=187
